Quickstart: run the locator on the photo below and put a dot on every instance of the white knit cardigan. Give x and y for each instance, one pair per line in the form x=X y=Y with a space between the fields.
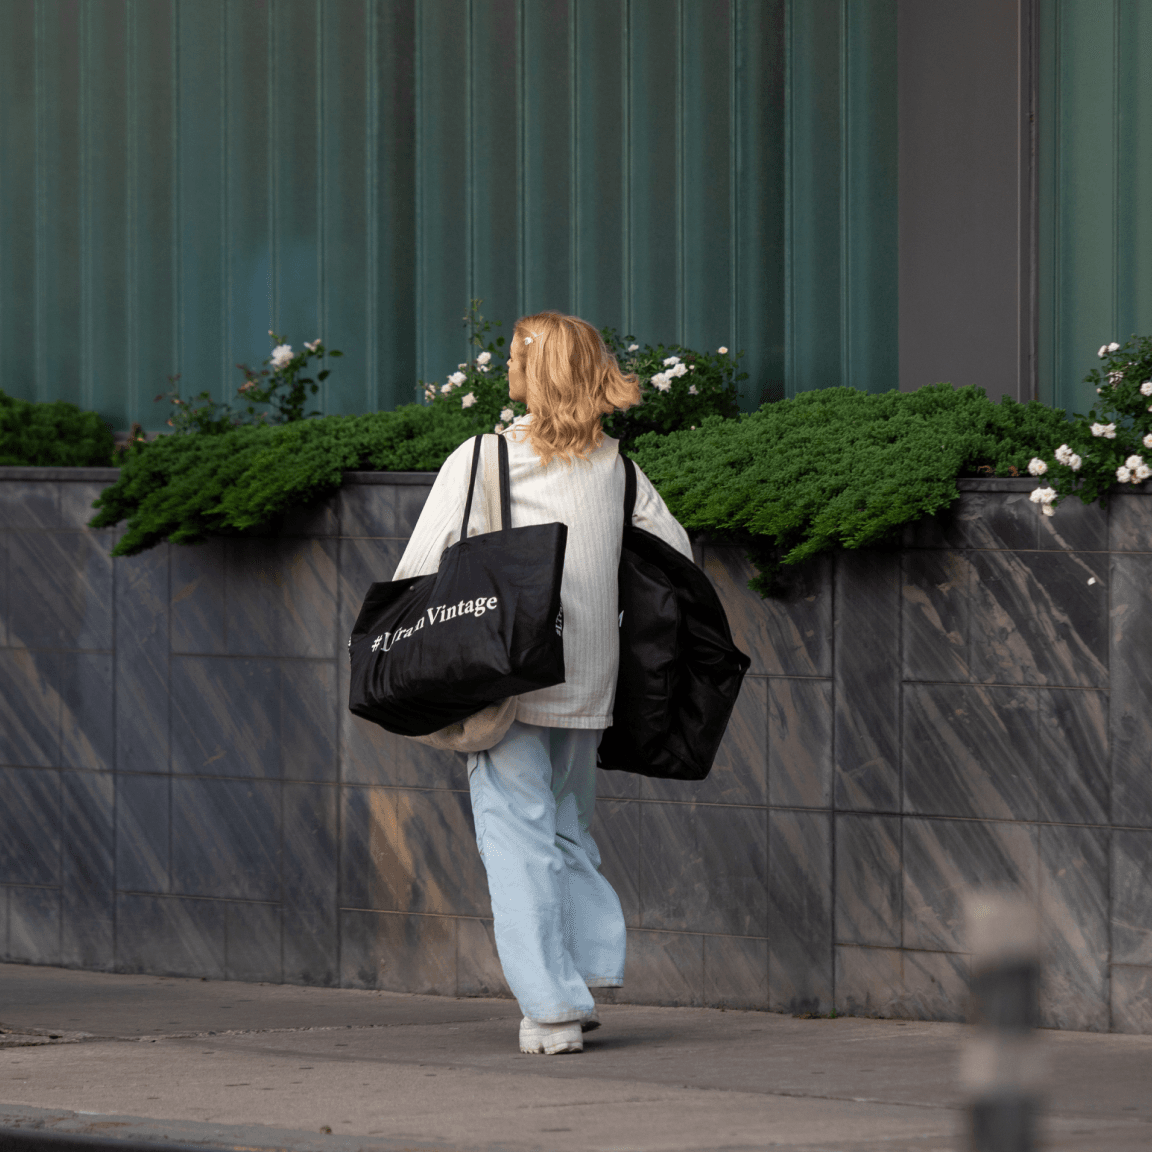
x=588 y=496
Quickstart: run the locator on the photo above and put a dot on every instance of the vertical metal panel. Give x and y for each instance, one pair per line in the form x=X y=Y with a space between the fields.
x=443 y=158
x=248 y=190
x=104 y=336
x=344 y=161
x=58 y=201
x=493 y=180
x=153 y=297
x=654 y=209
x=756 y=246
x=17 y=200
x=546 y=159
x=600 y=158
x=203 y=237
x=392 y=238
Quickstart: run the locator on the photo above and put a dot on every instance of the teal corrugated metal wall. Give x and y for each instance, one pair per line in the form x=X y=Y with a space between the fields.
x=1095 y=252
x=177 y=176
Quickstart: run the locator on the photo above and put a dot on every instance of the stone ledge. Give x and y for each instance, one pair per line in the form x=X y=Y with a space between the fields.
x=76 y=475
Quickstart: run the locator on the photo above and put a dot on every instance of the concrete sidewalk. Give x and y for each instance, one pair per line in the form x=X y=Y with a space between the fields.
x=277 y=1066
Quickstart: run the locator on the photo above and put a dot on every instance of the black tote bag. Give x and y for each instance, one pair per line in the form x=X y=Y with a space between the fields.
x=432 y=650
x=680 y=672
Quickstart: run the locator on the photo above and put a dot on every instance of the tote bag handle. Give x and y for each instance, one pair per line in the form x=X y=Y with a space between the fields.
x=505 y=486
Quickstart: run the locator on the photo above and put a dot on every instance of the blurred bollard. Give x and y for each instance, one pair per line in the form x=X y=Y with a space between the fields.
x=1002 y=1063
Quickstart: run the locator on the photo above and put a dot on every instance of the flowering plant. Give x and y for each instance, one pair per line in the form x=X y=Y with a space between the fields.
x=679 y=388
x=282 y=386
x=1113 y=443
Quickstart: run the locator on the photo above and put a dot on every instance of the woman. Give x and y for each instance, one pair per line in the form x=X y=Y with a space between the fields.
x=558 y=923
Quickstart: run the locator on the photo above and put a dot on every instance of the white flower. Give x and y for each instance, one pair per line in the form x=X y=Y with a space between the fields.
x=1123 y=474
x=722 y=350
x=507 y=415
x=671 y=360
x=1148 y=440
x=481 y=367
x=484 y=357
x=677 y=370
x=693 y=390
x=1043 y=495
x=281 y=356
x=468 y=400
x=1108 y=431
x=633 y=347
x=1074 y=462
x=429 y=393
x=1115 y=377
x=461 y=365
x=691 y=367
x=1103 y=351
x=1113 y=347
x=1048 y=510
x=498 y=428
x=270 y=332
x=312 y=345
x=457 y=378
x=661 y=381
x=1146 y=388
x=446 y=388
x=1133 y=462
x=1037 y=467
x=1141 y=473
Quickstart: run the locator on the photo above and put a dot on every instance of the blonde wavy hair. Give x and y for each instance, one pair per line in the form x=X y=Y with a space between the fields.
x=572 y=381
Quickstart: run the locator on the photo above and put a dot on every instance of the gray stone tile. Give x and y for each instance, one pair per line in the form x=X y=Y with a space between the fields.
x=618 y=785
x=362 y=564
x=800 y=743
x=935 y=598
x=1074 y=920
x=309 y=706
x=410 y=500
x=1129 y=523
x=318 y=518
x=869 y=981
x=87 y=726
x=1131 y=897
x=369 y=510
x=1132 y=1000
x=281 y=598
x=88 y=900
x=1076 y=527
x=788 y=635
x=936 y=985
x=1036 y=619
x=616 y=830
x=30 y=707
x=799 y=912
x=405 y=850
x=702 y=869
x=942 y=531
x=141 y=721
x=1074 y=774
x=478 y=970
x=168 y=936
x=309 y=872
x=226 y=839
x=252 y=942
x=740 y=772
x=970 y=751
x=867 y=682
x=735 y=972
x=664 y=968
x=29 y=504
x=225 y=716
x=944 y=859
x=369 y=755
x=142 y=833
x=34 y=925
x=76 y=500
x=30 y=820
x=197 y=603
x=62 y=585
x=1130 y=704
x=398 y=953
x=4 y=588
x=868 y=880
x=996 y=520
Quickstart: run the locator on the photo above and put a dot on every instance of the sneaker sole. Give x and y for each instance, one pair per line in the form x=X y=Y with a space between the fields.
x=554 y=1049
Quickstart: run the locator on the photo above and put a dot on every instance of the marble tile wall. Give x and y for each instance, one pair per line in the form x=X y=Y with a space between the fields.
x=183 y=792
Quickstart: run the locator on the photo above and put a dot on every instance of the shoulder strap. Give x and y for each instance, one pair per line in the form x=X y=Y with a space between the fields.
x=471 y=487
x=505 y=487
x=629 y=489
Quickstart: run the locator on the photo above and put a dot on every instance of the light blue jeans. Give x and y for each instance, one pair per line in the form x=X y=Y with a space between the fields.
x=559 y=926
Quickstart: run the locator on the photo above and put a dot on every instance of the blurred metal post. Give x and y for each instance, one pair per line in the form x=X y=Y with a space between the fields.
x=1002 y=1063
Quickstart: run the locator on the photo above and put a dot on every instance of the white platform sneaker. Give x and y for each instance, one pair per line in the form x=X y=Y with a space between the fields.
x=550 y=1039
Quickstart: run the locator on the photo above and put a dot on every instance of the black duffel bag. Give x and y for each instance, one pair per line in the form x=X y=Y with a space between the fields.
x=680 y=673
x=432 y=650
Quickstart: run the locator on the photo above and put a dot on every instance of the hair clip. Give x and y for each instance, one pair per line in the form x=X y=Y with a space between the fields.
x=527 y=339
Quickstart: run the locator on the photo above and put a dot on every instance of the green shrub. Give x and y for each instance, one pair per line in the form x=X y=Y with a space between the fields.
x=184 y=488
x=837 y=467
x=52 y=435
